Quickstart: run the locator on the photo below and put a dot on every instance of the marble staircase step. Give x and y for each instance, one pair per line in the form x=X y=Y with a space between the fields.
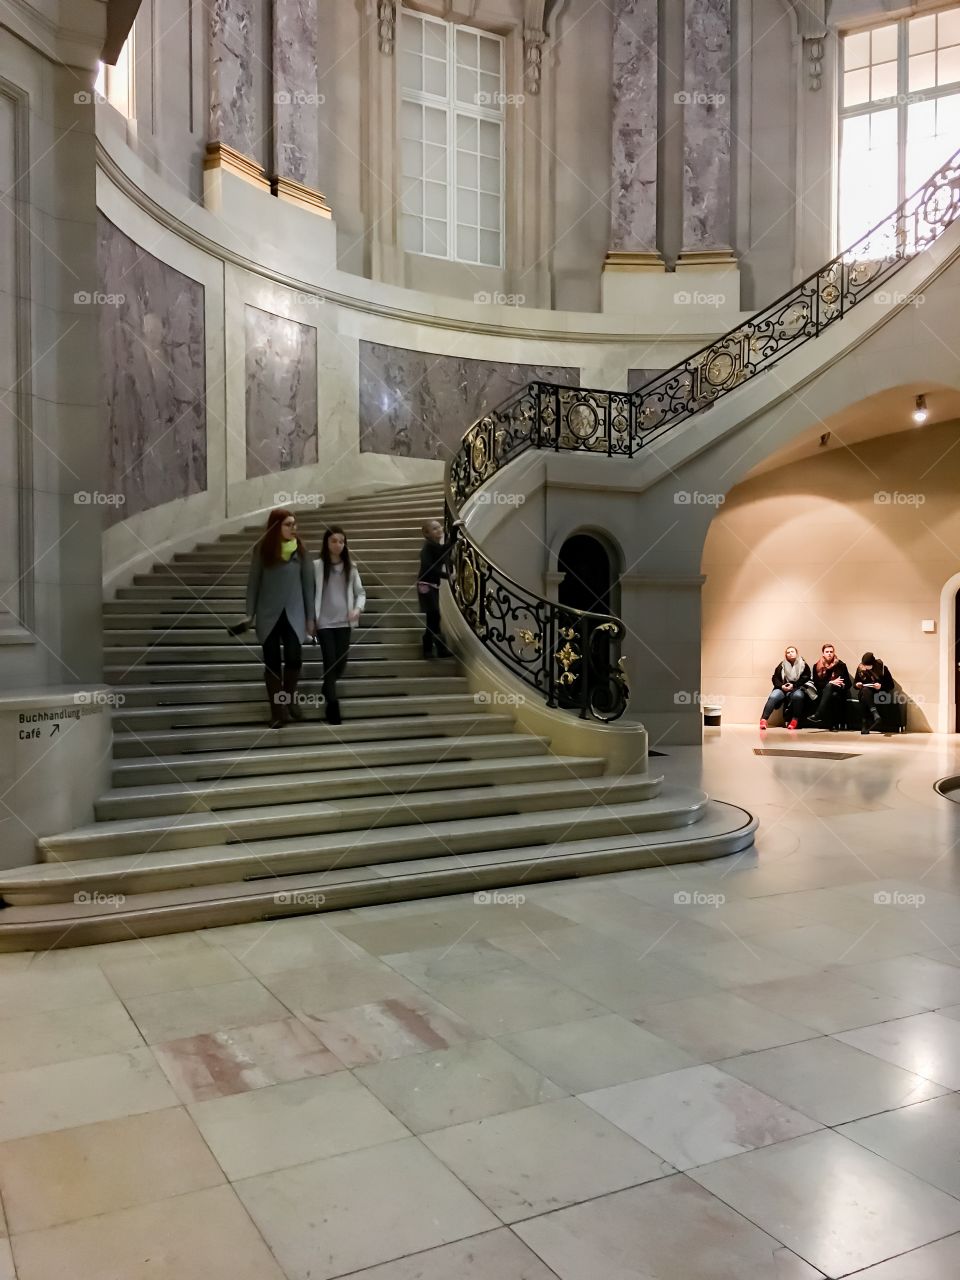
x=198 y=673
x=239 y=650
x=255 y=711
x=251 y=689
x=371 y=630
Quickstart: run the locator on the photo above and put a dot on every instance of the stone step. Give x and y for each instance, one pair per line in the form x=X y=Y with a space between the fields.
x=252 y=689
x=198 y=673
x=238 y=650
x=157 y=744
x=375 y=611
x=256 y=712
x=378 y=593
x=210 y=848
x=337 y=784
x=371 y=630
x=214 y=766
x=58 y=919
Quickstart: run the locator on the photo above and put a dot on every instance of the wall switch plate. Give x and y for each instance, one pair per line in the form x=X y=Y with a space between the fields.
x=929 y=626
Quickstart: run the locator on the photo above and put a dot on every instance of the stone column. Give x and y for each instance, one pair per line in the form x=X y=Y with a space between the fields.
x=232 y=141
x=296 y=102
x=706 y=101
x=633 y=212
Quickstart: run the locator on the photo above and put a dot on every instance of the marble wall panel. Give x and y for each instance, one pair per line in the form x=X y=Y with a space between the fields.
x=295 y=96
x=10 y=375
x=153 y=365
x=281 y=392
x=706 y=125
x=637 y=377
x=232 y=98
x=633 y=214
x=417 y=405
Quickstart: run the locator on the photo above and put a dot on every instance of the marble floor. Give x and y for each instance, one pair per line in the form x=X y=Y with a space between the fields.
x=742 y=1070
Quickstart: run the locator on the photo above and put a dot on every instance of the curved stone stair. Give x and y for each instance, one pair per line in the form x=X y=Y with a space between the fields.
x=214 y=818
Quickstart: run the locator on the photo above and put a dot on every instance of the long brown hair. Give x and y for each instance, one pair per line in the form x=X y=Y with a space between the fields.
x=325 y=552
x=273 y=535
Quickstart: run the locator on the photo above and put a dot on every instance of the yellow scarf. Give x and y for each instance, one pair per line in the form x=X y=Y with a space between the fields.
x=288 y=548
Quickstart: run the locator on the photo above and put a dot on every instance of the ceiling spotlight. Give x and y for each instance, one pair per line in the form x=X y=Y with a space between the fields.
x=920 y=413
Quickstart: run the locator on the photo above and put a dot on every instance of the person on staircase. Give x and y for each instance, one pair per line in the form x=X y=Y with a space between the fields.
x=831 y=680
x=340 y=600
x=788 y=693
x=434 y=555
x=280 y=593
x=871 y=678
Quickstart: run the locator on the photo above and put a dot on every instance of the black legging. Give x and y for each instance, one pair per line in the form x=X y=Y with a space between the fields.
x=830 y=704
x=334 y=646
x=282 y=637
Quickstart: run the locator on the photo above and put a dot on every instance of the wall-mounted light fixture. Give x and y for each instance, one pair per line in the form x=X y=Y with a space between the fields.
x=920 y=413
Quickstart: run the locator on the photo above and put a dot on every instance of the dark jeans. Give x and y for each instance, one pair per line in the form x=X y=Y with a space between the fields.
x=868 y=704
x=283 y=639
x=334 y=647
x=432 y=635
x=830 y=704
x=792 y=704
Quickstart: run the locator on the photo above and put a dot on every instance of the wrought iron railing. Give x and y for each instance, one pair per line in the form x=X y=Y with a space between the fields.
x=570 y=658
x=544 y=415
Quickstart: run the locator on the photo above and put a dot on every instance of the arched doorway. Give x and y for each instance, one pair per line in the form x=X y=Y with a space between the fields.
x=949 y=711
x=588 y=583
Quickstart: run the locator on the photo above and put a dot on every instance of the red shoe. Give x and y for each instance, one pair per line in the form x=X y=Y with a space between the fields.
x=792 y=725
x=763 y=724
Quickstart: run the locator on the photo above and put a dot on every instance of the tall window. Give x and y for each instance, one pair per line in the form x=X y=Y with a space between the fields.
x=899 y=113
x=451 y=141
x=116 y=83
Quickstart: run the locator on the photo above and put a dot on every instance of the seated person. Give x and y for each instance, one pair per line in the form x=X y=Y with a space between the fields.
x=788 y=693
x=871 y=678
x=831 y=679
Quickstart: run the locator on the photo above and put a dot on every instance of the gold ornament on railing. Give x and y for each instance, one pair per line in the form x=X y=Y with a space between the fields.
x=567 y=656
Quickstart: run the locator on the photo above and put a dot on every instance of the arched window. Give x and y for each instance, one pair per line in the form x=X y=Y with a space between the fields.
x=899 y=113
x=451 y=140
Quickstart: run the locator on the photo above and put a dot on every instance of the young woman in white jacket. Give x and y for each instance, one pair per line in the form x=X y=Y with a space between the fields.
x=340 y=601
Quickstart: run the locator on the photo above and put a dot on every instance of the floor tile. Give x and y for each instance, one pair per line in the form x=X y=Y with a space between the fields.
x=290 y=1124
x=40 y=990
x=287 y=944
x=436 y=1090
x=389 y=1029
x=927 y=1044
x=516 y=1001
x=226 y=1062
x=336 y=1216
x=830 y=1201
x=595 y=1052
x=206 y=1234
x=733 y=962
x=77 y=1173
x=677 y=1229
x=528 y=1162
x=930 y=1262
x=175 y=1015
x=827 y=1002
x=429 y=928
x=7 y=1271
x=34 y=1039
x=147 y=975
x=924 y=1138
x=82 y=1091
x=912 y=978
x=320 y=989
x=721 y=1025
x=697 y=1115
x=467 y=959
x=830 y=1081
x=497 y=1255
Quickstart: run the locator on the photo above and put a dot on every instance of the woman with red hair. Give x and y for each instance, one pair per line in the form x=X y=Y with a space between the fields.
x=280 y=594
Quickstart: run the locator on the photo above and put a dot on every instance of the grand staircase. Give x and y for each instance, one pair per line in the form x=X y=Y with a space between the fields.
x=214 y=818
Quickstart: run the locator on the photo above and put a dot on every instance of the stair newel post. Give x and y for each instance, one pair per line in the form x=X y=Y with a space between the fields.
x=585 y=672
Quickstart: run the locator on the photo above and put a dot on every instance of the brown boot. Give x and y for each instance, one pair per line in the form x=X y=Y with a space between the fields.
x=291 y=678
x=278 y=711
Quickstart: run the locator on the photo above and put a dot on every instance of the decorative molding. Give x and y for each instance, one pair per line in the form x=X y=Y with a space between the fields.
x=699 y=258
x=534 y=38
x=620 y=260
x=813 y=49
x=386 y=26
x=220 y=156
x=303 y=196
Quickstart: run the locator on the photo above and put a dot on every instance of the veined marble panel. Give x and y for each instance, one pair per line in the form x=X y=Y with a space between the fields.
x=637 y=377
x=153 y=364
x=295 y=97
x=281 y=394
x=633 y=213
x=417 y=405
x=706 y=124
x=231 y=74
x=10 y=374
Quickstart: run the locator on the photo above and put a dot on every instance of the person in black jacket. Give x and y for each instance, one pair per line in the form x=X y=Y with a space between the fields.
x=433 y=566
x=788 y=680
x=872 y=677
x=831 y=680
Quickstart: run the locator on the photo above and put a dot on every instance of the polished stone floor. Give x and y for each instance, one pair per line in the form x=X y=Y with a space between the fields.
x=746 y=1069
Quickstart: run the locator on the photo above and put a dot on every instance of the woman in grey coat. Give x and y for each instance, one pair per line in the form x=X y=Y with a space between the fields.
x=280 y=599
